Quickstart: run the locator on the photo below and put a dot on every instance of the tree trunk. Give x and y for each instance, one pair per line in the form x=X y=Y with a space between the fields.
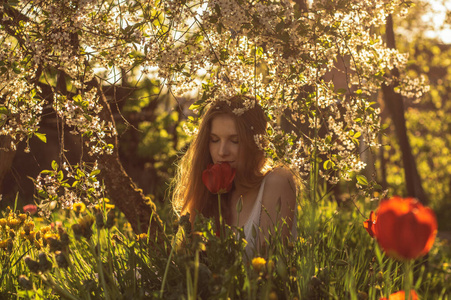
x=6 y=158
x=139 y=210
x=395 y=105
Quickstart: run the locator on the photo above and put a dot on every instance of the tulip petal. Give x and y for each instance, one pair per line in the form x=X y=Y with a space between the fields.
x=405 y=229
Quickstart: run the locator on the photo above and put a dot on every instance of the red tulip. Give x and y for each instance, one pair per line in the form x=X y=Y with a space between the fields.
x=404 y=228
x=370 y=224
x=402 y=296
x=30 y=208
x=218 y=178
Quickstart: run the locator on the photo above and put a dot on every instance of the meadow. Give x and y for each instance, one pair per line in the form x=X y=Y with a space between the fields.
x=92 y=253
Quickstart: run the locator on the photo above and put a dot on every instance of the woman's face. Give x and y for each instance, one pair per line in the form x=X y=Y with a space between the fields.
x=224 y=142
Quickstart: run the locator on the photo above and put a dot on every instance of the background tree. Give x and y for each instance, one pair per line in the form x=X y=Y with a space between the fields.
x=275 y=51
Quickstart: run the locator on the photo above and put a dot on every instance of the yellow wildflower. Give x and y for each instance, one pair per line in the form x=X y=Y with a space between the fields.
x=13 y=222
x=141 y=237
x=79 y=207
x=45 y=229
x=6 y=243
x=22 y=217
x=50 y=235
x=270 y=265
x=258 y=263
x=102 y=205
x=28 y=226
x=3 y=222
x=273 y=296
x=127 y=226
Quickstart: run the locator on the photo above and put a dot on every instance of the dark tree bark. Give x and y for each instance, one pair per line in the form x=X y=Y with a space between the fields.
x=139 y=210
x=395 y=105
x=6 y=158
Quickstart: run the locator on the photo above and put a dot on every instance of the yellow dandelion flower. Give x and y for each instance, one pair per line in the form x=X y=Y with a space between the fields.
x=13 y=222
x=141 y=237
x=31 y=236
x=109 y=206
x=4 y=244
x=45 y=229
x=127 y=226
x=50 y=235
x=22 y=217
x=270 y=265
x=3 y=222
x=79 y=207
x=258 y=263
x=273 y=296
x=28 y=226
x=102 y=205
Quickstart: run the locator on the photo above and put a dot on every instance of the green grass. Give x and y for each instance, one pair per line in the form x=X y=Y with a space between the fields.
x=332 y=257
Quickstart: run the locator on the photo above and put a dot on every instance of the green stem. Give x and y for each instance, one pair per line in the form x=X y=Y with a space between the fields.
x=58 y=289
x=196 y=273
x=408 y=278
x=174 y=240
x=221 y=233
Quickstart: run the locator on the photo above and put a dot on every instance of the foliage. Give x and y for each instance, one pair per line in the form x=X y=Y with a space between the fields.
x=428 y=124
x=275 y=51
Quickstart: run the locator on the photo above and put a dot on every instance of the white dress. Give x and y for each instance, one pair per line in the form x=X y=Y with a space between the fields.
x=254 y=222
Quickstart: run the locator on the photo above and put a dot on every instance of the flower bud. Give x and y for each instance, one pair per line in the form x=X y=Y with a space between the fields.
x=61 y=260
x=110 y=219
x=44 y=263
x=25 y=283
x=32 y=264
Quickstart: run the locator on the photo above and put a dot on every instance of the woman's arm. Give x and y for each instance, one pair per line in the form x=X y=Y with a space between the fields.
x=279 y=185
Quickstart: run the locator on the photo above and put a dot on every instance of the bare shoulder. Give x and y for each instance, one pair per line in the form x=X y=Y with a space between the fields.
x=280 y=178
x=279 y=198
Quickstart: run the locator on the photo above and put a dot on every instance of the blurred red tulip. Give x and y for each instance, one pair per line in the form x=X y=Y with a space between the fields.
x=370 y=224
x=30 y=208
x=402 y=296
x=218 y=178
x=404 y=228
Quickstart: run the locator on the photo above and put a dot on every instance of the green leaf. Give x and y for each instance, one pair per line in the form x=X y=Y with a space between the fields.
x=60 y=176
x=3 y=110
x=342 y=91
x=41 y=136
x=94 y=173
x=361 y=179
x=328 y=164
x=54 y=165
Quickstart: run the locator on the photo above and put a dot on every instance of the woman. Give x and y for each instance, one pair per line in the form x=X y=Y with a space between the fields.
x=228 y=133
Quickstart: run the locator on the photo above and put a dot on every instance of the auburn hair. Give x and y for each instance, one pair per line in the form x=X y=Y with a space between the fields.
x=190 y=194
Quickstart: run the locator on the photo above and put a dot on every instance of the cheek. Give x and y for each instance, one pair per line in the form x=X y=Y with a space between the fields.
x=211 y=148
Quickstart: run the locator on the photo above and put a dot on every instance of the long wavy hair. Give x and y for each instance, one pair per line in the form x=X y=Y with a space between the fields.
x=190 y=194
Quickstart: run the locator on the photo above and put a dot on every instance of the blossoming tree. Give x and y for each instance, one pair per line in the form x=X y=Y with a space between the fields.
x=315 y=67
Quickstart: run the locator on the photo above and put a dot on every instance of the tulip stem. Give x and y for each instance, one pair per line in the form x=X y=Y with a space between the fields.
x=221 y=233
x=408 y=278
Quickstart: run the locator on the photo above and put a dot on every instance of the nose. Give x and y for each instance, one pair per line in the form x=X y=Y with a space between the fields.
x=223 y=149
